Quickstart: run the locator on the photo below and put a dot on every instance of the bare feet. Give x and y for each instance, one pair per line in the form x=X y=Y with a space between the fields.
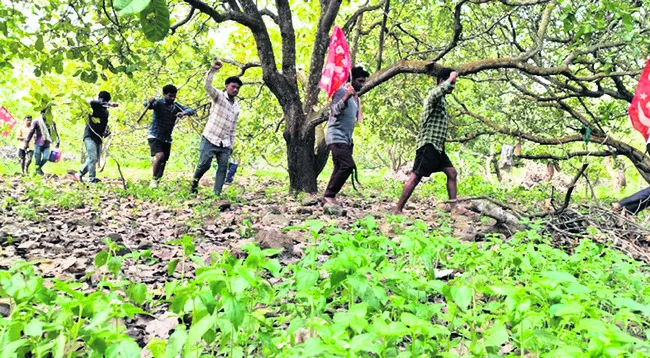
x=328 y=200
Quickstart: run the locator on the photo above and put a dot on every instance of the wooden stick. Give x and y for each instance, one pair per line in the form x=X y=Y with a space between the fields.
x=143 y=113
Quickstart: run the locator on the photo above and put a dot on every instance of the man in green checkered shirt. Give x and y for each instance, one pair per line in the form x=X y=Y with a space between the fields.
x=430 y=156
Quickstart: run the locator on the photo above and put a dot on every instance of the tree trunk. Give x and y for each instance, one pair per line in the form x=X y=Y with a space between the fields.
x=302 y=161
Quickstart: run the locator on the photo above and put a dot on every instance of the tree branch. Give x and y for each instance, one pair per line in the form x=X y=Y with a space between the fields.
x=458 y=30
x=219 y=17
x=569 y=155
x=288 y=42
x=353 y=19
x=184 y=21
x=271 y=15
x=382 y=33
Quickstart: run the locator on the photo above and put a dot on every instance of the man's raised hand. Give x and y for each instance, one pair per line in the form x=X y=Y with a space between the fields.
x=216 y=65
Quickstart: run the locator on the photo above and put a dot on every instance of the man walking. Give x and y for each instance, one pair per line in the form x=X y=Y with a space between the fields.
x=25 y=155
x=430 y=156
x=165 y=113
x=96 y=130
x=345 y=112
x=218 y=136
x=43 y=135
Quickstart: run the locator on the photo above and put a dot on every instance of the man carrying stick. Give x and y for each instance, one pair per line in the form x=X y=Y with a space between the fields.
x=94 y=134
x=345 y=112
x=165 y=113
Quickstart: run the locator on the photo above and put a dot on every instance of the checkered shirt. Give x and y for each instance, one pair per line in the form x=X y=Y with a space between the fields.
x=434 y=120
x=222 y=121
x=164 y=119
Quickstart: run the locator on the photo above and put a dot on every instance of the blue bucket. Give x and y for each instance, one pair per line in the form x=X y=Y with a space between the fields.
x=232 y=169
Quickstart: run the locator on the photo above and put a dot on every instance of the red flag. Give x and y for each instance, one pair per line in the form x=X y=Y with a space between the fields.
x=338 y=65
x=6 y=121
x=640 y=107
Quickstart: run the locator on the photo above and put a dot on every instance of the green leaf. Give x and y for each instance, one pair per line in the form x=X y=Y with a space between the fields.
x=155 y=20
x=9 y=350
x=559 y=276
x=157 y=347
x=39 y=45
x=59 y=349
x=337 y=277
x=176 y=342
x=564 y=309
x=566 y=352
x=137 y=293
x=497 y=335
x=101 y=258
x=631 y=304
x=114 y=265
x=171 y=267
x=199 y=328
x=306 y=279
x=234 y=310
x=127 y=8
x=364 y=343
x=125 y=348
x=34 y=328
x=99 y=318
x=413 y=321
x=462 y=296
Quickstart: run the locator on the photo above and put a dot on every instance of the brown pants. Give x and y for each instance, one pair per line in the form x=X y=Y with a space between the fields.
x=343 y=167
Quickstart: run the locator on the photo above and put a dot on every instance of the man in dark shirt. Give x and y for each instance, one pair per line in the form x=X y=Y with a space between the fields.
x=345 y=112
x=96 y=130
x=165 y=113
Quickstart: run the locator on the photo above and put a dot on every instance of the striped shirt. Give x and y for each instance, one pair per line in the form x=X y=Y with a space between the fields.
x=434 y=119
x=222 y=121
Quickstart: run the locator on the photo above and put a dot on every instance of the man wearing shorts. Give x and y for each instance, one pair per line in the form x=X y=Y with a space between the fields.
x=430 y=157
x=165 y=113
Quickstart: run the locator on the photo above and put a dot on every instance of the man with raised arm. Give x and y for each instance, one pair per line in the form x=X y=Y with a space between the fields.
x=430 y=156
x=218 y=136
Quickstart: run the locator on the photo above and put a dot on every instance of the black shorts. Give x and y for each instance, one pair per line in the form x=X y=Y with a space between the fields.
x=158 y=146
x=429 y=160
x=22 y=153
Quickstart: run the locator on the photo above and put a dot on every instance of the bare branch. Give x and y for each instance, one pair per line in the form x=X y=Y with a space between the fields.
x=288 y=42
x=569 y=155
x=219 y=17
x=270 y=14
x=353 y=19
x=458 y=30
x=470 y=137
x=184 y=21
x=242 y=66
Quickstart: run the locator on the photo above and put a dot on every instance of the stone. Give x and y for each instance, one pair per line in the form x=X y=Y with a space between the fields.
x=223 y=205
x=274 y=239
x=309 y=201
x=275 y=220
x=305 y=210
x=334 y=210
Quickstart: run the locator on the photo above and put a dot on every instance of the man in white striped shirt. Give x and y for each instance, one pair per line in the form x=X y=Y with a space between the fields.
x=219 y=133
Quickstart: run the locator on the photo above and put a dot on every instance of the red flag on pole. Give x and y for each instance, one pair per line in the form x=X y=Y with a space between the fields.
x=640 y=107
x=338 y=65
x=7 y=121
